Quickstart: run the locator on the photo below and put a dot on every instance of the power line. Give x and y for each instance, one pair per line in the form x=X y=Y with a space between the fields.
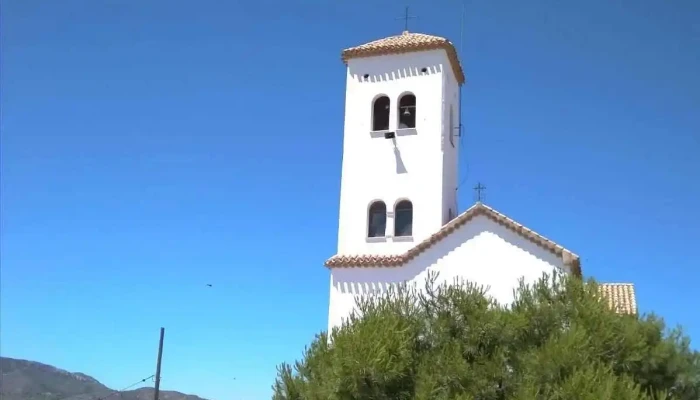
x=117 y=391
x=126 y=388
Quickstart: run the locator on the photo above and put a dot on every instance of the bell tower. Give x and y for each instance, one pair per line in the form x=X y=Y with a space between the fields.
x=400 y=147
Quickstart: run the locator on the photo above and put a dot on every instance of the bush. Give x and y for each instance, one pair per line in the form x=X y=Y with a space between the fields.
x=556 y=341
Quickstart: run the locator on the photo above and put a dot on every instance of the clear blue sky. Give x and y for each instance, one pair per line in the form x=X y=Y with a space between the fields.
x=152 y=147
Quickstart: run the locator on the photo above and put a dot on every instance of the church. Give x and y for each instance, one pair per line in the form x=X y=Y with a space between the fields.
x=398 y=197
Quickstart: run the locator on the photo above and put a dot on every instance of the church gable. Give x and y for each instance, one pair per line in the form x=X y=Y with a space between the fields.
x=481 y=245
x=568 y=259
x=477 y=247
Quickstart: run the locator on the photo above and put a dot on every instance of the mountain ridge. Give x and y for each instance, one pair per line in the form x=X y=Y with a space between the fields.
x=31 y=380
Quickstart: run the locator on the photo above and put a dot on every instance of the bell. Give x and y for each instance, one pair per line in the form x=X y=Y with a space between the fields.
x=406 y=113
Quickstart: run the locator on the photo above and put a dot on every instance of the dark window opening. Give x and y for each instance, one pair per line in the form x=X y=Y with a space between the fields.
x=407 y=111
x=377 y=220
x=403 y=219
x=380 y=114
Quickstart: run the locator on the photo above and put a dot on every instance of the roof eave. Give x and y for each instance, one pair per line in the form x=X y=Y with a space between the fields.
x=352 y=53
x=569 y=259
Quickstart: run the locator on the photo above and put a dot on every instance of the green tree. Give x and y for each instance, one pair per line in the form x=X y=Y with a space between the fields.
x=557 y=341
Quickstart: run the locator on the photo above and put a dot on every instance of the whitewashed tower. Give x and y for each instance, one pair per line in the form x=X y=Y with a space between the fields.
x=400 y=146
x=398 y=201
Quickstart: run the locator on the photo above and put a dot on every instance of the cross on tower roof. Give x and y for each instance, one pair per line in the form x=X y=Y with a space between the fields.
x=478 y=189
x=406 y=17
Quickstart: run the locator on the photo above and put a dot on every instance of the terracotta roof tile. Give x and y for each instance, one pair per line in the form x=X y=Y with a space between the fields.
x=351 y=261
x=407 y=43
x=620 y=296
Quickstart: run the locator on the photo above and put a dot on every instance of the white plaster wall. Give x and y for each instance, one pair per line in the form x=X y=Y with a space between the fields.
x=411 y=166
x=450 y=149
x=480 y=251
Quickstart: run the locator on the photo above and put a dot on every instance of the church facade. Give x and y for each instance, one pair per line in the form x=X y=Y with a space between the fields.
x=398 y=198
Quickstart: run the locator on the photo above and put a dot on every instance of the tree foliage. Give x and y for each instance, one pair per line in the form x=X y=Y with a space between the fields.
x=557 y=341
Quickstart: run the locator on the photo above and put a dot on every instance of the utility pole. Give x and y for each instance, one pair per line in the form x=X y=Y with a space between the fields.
x=160 y=357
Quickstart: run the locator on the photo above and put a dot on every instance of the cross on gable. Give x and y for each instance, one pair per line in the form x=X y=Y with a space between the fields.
x=406 y=17
x=478 y=189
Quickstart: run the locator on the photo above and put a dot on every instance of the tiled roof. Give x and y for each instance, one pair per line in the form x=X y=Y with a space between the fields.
x=620 y=296
x=351 y=261
x=407 y=43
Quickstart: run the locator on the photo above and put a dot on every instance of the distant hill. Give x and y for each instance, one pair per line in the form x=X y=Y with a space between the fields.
x=29 y=380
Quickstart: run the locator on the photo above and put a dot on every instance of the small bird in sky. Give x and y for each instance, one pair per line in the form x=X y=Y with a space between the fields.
x=209 y=284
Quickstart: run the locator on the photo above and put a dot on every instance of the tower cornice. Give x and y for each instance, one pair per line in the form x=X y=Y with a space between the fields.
x=407 y=42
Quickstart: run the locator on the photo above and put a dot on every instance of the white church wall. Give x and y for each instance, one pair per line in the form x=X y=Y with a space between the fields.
x=450 y=147
x=407 y=167
x=480 y=251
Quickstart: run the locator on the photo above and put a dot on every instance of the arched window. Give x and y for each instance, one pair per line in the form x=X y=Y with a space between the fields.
x=380 y=113
x=403 y=218
x=376 y=226
x=407 y=111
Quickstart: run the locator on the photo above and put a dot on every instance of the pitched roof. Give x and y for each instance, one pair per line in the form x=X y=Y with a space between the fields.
x=620 y=296
x=570 y=259
x=407 y=42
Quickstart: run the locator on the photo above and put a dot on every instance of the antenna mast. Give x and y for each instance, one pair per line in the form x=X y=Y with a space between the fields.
x=461 y=126
x=461 y=29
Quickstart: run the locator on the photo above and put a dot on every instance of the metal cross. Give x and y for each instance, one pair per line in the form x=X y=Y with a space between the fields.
x=478 y=189
x=406 y=17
